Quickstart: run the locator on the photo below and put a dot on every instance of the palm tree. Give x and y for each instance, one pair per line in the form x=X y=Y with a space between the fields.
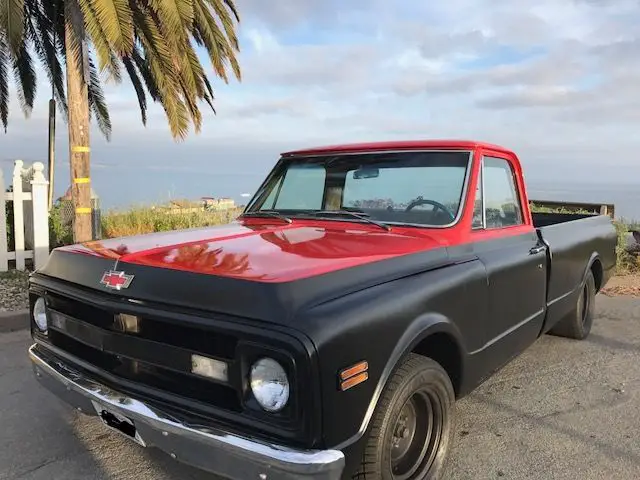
x=152 y=41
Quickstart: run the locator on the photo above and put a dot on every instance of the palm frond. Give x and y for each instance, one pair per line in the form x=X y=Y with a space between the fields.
x=145 y=72
x=12 y=23
x=175 y=15
x=4 y=82
x=216 y=44
x=25 y=76
x=220 y=8
x=138 y=86
x=209 y=96
x=107 y=59
x=162 y=68
x=97 y=101
x=231 y=5
x=43 y=37
x=54 y=11
x=116 y=22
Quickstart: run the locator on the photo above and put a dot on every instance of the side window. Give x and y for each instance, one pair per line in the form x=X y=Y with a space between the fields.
x=302 y=188
x=501 y=202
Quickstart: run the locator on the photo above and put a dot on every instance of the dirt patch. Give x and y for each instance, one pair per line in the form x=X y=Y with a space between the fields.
x=628 y=285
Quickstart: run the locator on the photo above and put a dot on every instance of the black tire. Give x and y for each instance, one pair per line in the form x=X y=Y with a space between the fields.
x=577 y=325
x=419 y=389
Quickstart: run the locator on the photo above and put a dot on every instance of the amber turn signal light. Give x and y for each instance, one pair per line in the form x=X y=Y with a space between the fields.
x=353 y=375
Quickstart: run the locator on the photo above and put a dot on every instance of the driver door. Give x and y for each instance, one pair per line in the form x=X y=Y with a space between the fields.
x=508 y=246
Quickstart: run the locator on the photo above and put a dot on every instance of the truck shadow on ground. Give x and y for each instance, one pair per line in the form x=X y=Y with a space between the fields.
x=545 y=421
x=612 y=343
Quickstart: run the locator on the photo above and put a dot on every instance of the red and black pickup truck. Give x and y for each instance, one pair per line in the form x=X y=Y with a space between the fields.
x=328 y=331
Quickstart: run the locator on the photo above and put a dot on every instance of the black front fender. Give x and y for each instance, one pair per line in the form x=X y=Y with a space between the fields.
x=382 y=324
x=420 y=330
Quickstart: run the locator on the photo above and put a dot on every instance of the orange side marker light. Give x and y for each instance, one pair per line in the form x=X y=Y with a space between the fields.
x=354 y=375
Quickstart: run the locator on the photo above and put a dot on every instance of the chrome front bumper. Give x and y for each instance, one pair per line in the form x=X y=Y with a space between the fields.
x=205 y=447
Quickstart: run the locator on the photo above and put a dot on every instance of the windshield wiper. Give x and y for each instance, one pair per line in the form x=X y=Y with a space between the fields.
x=266 y=214
x=359 y=216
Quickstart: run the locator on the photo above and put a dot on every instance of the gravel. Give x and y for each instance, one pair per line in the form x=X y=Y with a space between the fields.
x=13 y=291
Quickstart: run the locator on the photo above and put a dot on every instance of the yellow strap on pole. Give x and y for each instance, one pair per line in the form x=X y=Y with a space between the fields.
x=83 y=210
x=80 y=149
x=81 y=180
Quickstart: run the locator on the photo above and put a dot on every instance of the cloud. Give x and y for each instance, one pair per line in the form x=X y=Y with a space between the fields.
x=548 y=96
x=556 y=81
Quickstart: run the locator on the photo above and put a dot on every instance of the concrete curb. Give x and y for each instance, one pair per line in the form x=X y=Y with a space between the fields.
x=14 y=320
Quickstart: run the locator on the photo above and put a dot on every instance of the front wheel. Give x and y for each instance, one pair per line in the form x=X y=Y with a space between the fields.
x=413 y=424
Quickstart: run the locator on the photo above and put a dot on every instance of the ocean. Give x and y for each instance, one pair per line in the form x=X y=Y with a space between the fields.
x=159 y=187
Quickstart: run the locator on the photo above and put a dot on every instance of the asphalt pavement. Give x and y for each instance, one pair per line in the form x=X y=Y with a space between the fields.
x=562 y=410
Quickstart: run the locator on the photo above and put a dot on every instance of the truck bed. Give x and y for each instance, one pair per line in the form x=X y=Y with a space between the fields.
x=572 y=239
x=546 y=219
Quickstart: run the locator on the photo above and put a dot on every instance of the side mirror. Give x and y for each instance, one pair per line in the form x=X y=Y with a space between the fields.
x=362 y=173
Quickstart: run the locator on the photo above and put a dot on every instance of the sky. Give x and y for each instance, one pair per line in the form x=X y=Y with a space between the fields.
x=556 y=81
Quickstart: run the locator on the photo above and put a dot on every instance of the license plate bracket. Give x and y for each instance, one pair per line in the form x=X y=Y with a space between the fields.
x=119 y=423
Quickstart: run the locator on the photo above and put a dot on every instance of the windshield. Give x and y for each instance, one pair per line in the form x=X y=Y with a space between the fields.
x=416 y=188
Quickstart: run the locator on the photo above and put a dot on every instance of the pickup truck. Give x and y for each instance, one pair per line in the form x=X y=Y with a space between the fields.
x=328 y=331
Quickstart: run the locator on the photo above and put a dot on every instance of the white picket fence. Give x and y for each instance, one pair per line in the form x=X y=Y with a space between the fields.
x=28 y=201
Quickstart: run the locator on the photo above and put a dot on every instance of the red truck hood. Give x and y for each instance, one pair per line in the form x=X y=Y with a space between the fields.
x=253 y=250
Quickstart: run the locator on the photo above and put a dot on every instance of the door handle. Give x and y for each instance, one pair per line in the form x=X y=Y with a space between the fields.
x=536 y=250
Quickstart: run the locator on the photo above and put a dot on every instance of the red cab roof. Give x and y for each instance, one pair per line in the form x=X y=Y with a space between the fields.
x=397 y=145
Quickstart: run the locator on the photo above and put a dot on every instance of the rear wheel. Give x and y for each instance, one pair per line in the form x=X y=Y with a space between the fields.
x=413 y=424
x=577 y=324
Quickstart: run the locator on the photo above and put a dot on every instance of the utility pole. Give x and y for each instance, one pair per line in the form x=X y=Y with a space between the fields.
x=52 y=148
x=78 y=99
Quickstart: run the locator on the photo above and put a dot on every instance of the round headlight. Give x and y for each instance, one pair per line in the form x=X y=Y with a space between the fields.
x=40 y=314
x=269 y=384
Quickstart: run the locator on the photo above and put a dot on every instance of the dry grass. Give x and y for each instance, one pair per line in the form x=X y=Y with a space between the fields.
x=144 y=220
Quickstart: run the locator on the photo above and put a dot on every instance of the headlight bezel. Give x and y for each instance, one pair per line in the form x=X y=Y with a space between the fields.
x=40 y=301
x=279 y=371
x=251 y=352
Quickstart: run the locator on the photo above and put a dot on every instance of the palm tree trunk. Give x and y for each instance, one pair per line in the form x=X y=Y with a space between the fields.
x=79 y=156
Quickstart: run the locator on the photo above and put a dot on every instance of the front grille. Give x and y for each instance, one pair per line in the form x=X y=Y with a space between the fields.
x=157 y=355
x=199 y=340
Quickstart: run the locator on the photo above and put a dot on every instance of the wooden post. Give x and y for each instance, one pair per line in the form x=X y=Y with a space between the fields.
x=18 y=214
x=4 y=247
x=78 y=100
x=40 y=217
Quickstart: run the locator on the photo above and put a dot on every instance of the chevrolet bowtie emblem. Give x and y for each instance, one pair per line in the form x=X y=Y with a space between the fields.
x=116 y=280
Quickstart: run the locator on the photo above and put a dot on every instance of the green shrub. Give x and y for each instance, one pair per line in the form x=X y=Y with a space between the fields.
x=542 y=209
x=59 y=234
x=142 y=220
x=8 y=208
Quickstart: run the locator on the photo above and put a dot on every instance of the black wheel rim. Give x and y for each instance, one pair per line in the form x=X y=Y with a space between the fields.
x=416 y=436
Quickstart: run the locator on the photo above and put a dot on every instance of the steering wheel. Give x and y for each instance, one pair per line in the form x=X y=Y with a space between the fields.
x=436 y=205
